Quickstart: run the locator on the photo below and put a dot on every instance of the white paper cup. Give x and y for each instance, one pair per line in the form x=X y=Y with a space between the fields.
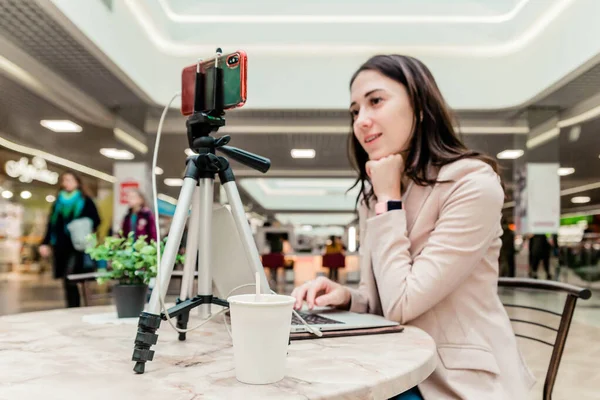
x=261 y=332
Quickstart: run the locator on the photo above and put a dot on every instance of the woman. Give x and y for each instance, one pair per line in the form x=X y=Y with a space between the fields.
x=72 y=202
x=139 y=218
x=430 y=213
x=335 y=246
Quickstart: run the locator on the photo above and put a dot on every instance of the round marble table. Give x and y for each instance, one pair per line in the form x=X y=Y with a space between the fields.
x=86 y=353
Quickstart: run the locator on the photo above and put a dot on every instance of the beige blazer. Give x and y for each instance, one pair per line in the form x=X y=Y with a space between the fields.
x=434 y=265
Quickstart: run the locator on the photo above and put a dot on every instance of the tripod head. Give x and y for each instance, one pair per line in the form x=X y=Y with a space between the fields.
x=208 y=118
x=209 y=145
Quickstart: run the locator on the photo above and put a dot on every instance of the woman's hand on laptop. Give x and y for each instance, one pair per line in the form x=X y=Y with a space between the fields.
x=321 y=292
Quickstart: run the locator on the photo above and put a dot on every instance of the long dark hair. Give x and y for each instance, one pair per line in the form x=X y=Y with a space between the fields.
x=433 y=142
x=80 y=184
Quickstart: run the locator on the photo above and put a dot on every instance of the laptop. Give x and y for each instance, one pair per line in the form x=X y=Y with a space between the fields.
x=232 y=268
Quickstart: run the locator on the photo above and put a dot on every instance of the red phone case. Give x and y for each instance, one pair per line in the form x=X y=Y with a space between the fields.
x=188 y=83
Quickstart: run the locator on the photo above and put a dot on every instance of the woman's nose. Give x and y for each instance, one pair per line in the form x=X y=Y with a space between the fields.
x=363 y=121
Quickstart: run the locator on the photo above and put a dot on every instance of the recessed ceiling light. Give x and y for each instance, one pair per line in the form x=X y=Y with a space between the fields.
x=580 y=199
x=25 y=194
x=61 y=125
x=158 y=171
x=7 y=194
x=50 y=198
x=117 y=154
x=564 y=171
x=173 y=181
x=303 y=153
x=189 y=152
x=510 y=154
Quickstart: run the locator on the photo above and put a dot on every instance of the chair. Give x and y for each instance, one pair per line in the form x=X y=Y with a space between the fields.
x=83 y=280
x=334 y=261
x=573 y=294
x=273 y=261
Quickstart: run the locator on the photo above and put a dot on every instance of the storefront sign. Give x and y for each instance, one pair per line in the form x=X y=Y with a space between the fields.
x=125 y=187
x=27 y=172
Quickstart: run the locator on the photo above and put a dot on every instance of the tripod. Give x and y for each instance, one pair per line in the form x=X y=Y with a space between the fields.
x=197 y=192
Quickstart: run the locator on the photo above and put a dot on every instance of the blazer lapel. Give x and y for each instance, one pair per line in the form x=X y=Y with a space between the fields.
x=367 y=275
x=416 y=197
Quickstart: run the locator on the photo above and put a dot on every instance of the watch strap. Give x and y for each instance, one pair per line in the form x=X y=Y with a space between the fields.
x=385 y=206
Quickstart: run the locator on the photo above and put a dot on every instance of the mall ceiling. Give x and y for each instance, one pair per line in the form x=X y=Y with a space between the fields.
x=61 y=51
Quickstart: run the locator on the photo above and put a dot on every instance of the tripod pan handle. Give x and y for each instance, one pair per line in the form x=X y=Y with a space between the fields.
x=251 y=160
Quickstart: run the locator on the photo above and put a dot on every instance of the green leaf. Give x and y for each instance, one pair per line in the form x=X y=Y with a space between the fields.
x=130 y=261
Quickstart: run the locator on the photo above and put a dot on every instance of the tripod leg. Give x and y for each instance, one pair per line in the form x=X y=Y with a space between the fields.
x=150 y=320
x=204 y=243
x=239 y=216
x=172 y=247
x=189 y=266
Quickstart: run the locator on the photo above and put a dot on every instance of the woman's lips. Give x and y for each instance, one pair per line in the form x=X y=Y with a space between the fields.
x=372 y=138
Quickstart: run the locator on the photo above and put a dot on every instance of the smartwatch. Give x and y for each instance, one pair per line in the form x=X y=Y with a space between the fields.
x=389 y=205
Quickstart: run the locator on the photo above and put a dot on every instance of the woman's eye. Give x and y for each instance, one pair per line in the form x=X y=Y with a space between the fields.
x=376 y=100
x=354 y=113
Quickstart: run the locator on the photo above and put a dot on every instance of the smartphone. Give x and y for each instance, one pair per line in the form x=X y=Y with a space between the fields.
x=234 y=66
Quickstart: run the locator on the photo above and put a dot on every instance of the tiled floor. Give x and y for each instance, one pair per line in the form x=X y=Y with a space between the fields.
x=579 y=374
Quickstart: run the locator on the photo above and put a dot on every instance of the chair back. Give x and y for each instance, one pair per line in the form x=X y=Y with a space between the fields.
x=273 y=260
x=335 y=260
x=564 y=319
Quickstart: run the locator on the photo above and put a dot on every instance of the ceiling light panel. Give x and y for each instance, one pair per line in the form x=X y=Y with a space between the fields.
x=510 y=154
x=62 y=125
x=303 y=153
x=117 y=154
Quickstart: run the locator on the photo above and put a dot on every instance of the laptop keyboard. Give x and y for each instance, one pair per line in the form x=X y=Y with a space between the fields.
x=313 y=319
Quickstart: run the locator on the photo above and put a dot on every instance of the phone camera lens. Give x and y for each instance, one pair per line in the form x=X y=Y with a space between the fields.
x=232 y=60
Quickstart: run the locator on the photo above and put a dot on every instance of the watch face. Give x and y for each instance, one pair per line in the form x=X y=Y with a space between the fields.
x=394 y=205
x=382 y=207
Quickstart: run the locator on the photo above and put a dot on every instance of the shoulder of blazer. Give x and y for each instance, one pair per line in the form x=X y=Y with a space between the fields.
x=464 y=168
x=473 y=174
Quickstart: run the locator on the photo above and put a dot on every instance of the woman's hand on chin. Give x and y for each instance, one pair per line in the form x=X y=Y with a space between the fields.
x=386 y=176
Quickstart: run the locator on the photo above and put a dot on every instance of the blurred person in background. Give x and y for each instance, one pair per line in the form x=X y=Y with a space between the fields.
x=429 y=211
x=507 y=252
x=139 y=218
x=275 y=243
x=335 y=246
x=72 y=202
x=539 y=250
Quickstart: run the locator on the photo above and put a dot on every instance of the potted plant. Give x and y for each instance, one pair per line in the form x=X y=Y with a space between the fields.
x=132 y=263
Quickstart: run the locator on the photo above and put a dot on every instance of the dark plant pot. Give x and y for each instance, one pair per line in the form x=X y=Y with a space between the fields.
x=130 y=300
